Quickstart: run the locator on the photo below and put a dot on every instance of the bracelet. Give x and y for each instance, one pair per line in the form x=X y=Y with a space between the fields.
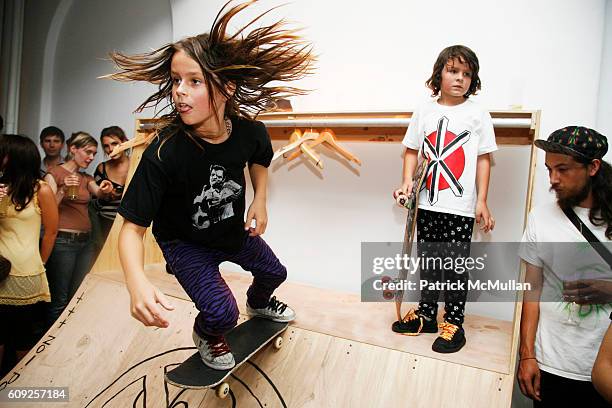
x=527 y=358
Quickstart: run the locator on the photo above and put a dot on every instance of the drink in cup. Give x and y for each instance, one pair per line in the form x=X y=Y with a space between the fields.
x=4 y=203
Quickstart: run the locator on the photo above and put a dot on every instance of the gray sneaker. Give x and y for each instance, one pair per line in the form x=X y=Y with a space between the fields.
x=215 y=351
x=275 y=310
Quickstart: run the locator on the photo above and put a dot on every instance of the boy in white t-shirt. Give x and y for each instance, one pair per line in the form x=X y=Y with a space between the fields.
x=455 y=136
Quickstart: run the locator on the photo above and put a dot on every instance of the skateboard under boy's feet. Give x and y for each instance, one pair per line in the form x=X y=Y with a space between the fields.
x=245 y=340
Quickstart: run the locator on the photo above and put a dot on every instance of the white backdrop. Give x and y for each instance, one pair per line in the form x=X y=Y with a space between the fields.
x=604 y=112
x=377 y=57
x=542 y=54
x=372 y=56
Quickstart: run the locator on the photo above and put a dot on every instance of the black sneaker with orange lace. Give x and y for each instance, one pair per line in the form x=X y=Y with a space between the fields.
x=414 y=324
x=450 y=340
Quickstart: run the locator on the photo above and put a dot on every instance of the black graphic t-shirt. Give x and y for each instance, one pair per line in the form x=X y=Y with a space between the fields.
x=194 y=190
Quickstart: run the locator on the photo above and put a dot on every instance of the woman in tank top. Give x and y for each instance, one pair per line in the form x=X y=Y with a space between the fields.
x=31 y=203
x=114 y=170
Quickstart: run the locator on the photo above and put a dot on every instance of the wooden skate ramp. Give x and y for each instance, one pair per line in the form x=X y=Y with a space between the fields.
x=339 y=353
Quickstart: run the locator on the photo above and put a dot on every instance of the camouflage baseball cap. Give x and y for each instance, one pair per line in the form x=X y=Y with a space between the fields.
x=576 y=141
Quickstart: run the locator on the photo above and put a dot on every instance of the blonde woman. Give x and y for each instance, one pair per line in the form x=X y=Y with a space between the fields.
x=73 y=252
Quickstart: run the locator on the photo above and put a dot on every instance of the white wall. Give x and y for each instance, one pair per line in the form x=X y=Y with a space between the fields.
x=604 y=112
x=377 y=57
x=88 y=32
x=37 y=23
x=544 y=54
x=82 y=102
x=371 y=57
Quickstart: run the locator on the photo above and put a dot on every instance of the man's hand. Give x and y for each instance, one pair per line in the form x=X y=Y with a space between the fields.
x=529 y=378
x=588 y=291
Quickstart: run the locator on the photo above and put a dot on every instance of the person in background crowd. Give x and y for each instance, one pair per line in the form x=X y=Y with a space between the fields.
x=114 y=170
x=52 y=142
x=73 y=253
x=31 y=202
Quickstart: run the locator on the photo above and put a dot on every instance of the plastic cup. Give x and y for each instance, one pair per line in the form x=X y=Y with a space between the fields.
x=72 y=192
x=4 y=203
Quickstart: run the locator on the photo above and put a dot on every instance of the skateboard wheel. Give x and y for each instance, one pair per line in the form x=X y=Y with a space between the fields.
x=278 y=343
x=385 y=279
x=388 y=295
x=222 y=390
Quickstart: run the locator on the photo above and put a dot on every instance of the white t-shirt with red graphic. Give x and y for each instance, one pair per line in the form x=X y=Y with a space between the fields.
x=451 y=138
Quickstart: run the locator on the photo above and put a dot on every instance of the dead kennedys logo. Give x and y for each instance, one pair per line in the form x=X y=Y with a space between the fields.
x=446 y=160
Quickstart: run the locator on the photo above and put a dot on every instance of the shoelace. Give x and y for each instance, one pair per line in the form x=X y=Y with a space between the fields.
x=217 y=345
x=276 y=305
x=448 y=330
x=410 y=316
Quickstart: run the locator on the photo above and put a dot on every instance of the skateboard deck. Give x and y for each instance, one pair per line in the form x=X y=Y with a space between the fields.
x=244 y=340
x=411 y=203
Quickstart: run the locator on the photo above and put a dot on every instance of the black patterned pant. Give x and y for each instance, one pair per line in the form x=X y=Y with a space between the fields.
x=441 y=239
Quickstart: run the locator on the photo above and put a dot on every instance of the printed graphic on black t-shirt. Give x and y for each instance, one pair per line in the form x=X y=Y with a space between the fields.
x=216 y=202
x=446 y=158
x=194 y=191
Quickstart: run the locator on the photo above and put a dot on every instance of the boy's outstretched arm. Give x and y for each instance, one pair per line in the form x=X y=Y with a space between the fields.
x=257 y=210
x=411 y=158
x=483 y=171
x=145 y=299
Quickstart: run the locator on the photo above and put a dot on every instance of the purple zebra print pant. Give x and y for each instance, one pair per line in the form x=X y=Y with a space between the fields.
x=197 y=270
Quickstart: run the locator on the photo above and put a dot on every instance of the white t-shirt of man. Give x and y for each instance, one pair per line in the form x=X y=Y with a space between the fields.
x=451 y=138
x=568 y=335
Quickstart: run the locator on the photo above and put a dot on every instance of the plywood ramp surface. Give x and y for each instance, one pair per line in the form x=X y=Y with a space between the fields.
x=108 y=359
x=343 y=315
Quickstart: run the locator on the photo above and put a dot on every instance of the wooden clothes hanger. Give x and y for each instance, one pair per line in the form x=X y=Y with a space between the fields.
x=292 y=145
x=327 y=136
x=304 y=148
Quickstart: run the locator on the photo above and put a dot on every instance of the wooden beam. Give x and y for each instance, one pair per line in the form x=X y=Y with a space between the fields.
x=511 y=127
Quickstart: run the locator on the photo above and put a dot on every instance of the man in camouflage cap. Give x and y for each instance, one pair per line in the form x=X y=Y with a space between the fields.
x=560 y=334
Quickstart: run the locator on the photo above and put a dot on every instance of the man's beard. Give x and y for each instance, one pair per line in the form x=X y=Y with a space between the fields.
x=576 y=198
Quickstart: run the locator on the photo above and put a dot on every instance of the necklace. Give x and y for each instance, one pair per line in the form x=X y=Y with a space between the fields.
x=228 y=126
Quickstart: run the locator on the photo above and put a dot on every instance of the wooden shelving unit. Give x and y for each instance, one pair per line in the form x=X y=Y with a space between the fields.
x=515 y=127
